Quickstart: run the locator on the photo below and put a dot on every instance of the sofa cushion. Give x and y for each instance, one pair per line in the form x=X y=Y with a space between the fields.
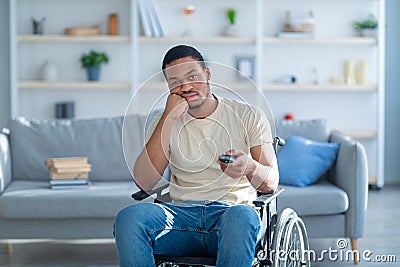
x=321 y=198
x=33 y=141
x=302 y=161
x=315 y=129
x=34 y=199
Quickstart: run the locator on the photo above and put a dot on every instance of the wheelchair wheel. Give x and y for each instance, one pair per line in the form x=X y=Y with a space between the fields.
x=290 y=242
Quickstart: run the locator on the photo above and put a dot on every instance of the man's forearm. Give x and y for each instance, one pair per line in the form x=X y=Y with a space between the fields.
x=263 y=178
x=153 y=160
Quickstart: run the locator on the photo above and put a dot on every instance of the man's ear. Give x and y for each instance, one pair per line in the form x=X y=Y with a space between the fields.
x=208 y=73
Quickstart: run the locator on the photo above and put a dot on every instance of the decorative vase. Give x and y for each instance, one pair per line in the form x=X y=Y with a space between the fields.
x=231 y=30
x=93 y=73
x=113 y=24
x=188 y=11
x=48 y=72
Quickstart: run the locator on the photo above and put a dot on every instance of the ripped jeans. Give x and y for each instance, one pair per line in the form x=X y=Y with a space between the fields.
x=189 y=228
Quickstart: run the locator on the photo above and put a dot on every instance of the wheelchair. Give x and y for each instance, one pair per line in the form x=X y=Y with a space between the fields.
x=284 y=239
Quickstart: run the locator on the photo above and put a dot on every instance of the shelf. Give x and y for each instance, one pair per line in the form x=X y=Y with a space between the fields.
x=277 y=87
x=33 y=85
x=211 y=39
x=69 y=38
x=319 y=88
x=60 y=38
x=323 y=41
x=240 y=86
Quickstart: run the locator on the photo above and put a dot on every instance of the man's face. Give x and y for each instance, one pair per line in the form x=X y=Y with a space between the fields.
x=187 y=78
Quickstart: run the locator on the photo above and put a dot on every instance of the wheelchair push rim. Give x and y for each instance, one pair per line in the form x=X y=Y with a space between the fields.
x=290 y=241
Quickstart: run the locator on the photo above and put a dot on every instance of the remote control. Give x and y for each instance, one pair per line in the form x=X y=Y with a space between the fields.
x=227 y=158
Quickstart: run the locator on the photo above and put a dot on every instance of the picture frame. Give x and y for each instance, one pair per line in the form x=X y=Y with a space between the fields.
x=245 y=66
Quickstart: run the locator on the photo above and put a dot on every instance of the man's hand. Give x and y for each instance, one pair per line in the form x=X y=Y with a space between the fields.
x=242 y=165
x=176 y=107
x=261 y=168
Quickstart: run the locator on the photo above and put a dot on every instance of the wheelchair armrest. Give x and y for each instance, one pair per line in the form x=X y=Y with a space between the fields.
x=263 y=199
x=278 y=141
x=158 y=188
x=140 y=195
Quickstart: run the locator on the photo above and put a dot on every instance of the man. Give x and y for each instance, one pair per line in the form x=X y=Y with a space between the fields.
x=208 y=215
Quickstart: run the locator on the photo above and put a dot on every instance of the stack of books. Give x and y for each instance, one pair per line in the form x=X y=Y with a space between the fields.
x=69 y=173
x=149 y=14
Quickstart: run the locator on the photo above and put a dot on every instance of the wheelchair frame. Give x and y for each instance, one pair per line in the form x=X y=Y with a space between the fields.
x=284 y=242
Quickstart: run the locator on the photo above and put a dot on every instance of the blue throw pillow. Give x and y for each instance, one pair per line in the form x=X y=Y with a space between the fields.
x=302 y=161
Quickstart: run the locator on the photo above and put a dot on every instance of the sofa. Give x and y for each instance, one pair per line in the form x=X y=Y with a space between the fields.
x=334 y=206
x=30 y=209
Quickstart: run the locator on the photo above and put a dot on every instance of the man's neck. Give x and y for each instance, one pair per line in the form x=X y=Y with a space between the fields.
x=208 y=107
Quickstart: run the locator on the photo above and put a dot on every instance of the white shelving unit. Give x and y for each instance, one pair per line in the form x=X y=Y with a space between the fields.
x=29 y=51
x=355 y=109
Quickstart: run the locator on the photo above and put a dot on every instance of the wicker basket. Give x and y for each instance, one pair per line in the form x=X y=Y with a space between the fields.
x=299 y=25
x=82 y=31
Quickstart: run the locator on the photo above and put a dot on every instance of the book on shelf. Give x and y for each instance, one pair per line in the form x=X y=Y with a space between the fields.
x=64 y=176
x=66 y=161
x=152 y=19
x=77 y=186
x=149 y=17
x=71 y=168
x=69 y=182
x=160 y=22
x=144 y=18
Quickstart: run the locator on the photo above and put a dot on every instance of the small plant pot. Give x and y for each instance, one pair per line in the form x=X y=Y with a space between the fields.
x=368 y=32
x=231 y=30
x=93 y=73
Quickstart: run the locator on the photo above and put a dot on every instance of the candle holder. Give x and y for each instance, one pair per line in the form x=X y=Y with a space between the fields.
x=188 y=11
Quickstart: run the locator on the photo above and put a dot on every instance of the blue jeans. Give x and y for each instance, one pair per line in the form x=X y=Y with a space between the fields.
x=189 y=228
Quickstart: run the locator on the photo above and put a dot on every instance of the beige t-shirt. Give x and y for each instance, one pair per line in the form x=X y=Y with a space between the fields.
x=196 y=144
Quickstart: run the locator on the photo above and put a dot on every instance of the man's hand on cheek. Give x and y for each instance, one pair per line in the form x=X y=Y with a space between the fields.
x=176 y=107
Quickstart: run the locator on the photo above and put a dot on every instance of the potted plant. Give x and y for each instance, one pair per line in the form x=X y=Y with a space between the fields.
x=231 y=29
x=366 y=27
x=92 y=62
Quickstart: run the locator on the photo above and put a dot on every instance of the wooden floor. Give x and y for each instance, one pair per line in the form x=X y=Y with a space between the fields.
x=381 y=241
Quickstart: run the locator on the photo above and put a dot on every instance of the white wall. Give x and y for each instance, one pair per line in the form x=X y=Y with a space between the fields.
x=4 y=63
x=392 y=112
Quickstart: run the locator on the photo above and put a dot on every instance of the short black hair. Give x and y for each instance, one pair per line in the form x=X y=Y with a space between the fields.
x=181 y=51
